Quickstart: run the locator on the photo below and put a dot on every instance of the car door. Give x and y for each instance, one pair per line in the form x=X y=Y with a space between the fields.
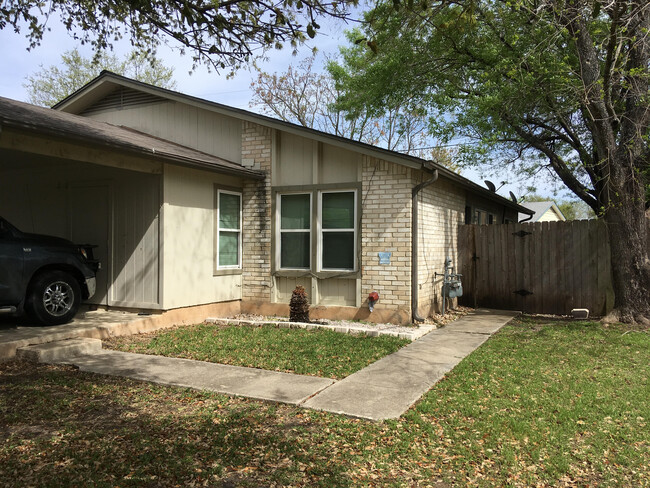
x=11 y=266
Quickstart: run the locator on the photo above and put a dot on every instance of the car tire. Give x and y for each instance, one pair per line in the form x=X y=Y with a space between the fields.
x=53 y=298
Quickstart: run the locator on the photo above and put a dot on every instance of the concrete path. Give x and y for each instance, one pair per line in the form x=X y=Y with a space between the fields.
x=232 y=380
x=383 y=390
x=387 y=388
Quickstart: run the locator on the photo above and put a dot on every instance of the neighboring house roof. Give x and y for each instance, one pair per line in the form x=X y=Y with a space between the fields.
x=107 y=82
x=544 y=211
x=64 y=126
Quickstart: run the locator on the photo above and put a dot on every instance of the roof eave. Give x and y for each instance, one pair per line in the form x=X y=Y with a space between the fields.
x=413 y=162
x=135 y=150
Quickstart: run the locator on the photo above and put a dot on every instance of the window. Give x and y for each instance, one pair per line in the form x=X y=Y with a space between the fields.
x=338 y=230
x=295 y=230
x=332 y=236
x=228 y=230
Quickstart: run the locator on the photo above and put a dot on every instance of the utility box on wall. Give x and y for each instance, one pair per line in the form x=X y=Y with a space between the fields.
x=452 y=289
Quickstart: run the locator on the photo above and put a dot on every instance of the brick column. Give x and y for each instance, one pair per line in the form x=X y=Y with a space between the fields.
x=256 y=255
x=386 y=226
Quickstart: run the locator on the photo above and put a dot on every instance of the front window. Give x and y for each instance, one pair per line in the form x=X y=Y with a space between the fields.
x=338 y=230
x=331 y=237
x=295 y=231
x=229 y=230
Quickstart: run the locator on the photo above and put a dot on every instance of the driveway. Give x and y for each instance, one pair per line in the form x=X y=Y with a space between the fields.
x=99 y=324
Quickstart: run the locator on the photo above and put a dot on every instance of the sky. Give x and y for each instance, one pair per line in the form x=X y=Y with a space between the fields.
x=17 y=63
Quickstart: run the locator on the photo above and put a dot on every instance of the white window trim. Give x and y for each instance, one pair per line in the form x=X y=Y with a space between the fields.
x=279 y=231
x=319 y=225
x=239 y=231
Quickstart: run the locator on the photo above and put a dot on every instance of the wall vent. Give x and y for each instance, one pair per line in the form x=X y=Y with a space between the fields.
x=122 y=98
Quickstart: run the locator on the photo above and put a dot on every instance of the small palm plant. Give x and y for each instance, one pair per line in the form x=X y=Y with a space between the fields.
x=299 y=306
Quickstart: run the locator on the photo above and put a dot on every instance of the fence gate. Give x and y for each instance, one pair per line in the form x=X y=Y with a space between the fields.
x=544 y=267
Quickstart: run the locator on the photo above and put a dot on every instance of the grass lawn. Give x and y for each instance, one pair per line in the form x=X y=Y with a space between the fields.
x=540 y=404
x=311 y=352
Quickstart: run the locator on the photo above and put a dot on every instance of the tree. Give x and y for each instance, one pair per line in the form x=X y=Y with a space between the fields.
x=221 y=34
x=533 y=83
x=302 y=96
x=50 y=85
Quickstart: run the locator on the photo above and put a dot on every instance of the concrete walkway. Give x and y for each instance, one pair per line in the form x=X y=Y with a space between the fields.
x=383 y=390
x=387 y=388
x=232 y=380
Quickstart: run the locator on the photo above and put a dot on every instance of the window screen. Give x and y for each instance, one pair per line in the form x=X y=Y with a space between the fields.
x=338 y=224
x=229 y=233
x=295 y=231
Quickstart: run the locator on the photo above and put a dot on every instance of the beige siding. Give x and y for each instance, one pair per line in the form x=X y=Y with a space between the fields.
x=116 y=210
x=284 y=287
x=334 y=291
x=338 y=165
x=295 y=163
x=186 y=125
x=136 y=241
x=188 y=241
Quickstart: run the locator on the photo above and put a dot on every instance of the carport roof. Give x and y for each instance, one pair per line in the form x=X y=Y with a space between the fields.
x=48 y=122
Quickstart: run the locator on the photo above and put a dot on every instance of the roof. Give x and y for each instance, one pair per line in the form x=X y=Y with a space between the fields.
x=540 y=208
x=45 y=121
x=106 y=82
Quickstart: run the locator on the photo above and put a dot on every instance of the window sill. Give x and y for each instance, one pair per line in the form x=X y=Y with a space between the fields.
x=227 y=272
x=300 y=273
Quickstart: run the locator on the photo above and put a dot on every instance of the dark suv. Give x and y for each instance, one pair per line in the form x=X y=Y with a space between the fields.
x=44 y=275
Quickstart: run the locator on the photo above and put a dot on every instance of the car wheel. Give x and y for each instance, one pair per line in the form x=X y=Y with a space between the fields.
x=54 y=298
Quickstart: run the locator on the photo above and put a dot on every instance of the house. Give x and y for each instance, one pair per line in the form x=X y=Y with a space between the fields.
x=544 y=212
x=194 y=203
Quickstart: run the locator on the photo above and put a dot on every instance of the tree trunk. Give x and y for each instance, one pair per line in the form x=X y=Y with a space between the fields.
x=627 y=226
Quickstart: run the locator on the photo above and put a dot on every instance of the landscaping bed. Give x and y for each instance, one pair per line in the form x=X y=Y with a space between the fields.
x=323 y=353
x=544 y=402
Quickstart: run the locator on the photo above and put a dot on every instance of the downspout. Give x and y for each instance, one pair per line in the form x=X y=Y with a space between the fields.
x=414 y=243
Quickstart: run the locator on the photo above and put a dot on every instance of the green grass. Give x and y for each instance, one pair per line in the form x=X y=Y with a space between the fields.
x=310 y=352
x=540 y=404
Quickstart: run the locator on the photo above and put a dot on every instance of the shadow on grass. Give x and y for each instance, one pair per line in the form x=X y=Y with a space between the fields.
x=63 y=428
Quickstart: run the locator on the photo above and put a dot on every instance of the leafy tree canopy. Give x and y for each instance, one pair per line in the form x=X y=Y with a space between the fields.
x=52 y=84
x=533 y=83
x=223 y=34
x=530 y=83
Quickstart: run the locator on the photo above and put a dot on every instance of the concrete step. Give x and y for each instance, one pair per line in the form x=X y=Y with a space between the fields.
x=59 y=350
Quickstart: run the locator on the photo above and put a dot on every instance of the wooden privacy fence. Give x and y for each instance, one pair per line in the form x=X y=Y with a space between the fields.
x=544 y=267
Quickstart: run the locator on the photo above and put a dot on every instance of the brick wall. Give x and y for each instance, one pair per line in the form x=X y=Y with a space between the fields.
x=441 y=210
x=256 y=278
x=386 y=226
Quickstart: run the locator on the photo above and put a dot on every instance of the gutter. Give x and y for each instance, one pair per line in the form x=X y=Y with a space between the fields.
x=414 y=240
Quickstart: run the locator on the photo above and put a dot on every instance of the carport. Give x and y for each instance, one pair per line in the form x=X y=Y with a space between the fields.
x=92 y=182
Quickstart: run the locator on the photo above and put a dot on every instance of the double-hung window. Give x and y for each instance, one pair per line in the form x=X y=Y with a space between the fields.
x=338 y=232
x=229 y=230
x=295 y=230
x=331 y=236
